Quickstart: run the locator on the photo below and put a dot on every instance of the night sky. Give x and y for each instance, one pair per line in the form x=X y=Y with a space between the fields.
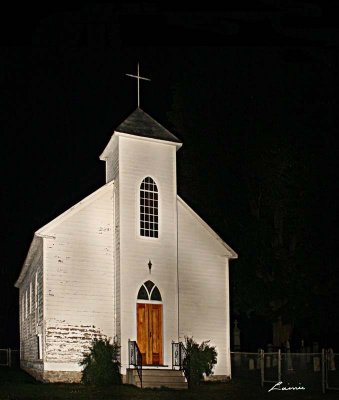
x=225 y=82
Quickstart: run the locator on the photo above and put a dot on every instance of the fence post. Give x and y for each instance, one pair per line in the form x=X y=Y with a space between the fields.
x=279 y=365
x=323 y=373
x=9 y=357
x=262 y=367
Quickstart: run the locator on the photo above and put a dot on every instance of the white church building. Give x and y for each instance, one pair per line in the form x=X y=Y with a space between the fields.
x=131 y=262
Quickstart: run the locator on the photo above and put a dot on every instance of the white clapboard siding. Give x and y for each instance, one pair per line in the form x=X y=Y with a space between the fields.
x=79 y=280
x=203 y=285
x=139 y=159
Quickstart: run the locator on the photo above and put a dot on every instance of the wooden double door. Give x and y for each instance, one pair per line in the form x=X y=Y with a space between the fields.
x=149 y=333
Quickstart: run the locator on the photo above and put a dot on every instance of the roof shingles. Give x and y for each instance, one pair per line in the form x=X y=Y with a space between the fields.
x=140 y=123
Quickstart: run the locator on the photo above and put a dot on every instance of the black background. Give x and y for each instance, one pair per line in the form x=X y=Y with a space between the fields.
x=64 y=90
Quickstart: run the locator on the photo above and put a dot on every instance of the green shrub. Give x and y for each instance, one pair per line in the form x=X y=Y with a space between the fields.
x=200 y=359
x=101 y=364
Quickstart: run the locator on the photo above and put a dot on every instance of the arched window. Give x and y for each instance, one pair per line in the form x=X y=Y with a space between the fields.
x=149 y=206
x=149 y=291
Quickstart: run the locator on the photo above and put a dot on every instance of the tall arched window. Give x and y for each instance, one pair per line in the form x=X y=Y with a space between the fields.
x=149 y=207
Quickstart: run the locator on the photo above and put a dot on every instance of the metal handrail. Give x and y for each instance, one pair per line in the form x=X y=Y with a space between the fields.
x=178 y=355
x=135 y=358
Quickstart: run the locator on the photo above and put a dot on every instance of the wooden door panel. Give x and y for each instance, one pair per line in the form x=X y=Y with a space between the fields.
x=149 y=332
x=156 y=329
x=142 y=331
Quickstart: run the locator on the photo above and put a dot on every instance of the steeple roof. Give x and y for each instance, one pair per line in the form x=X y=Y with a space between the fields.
x=140 y=123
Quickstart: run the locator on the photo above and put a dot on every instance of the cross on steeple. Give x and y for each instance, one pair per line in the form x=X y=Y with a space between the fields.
x=138 y=77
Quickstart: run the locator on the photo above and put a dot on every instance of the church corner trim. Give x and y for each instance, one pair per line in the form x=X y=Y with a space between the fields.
x=231 y=253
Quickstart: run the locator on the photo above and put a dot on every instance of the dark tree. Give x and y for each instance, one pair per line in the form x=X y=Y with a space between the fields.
x=259 y=183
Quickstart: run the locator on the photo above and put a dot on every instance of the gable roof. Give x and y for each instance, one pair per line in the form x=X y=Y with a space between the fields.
x=141 y=124
x=231 y=252
x=44 y=231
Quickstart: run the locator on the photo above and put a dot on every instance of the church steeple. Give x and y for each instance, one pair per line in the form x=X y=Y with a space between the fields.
x=140 y=123
x=137 y=125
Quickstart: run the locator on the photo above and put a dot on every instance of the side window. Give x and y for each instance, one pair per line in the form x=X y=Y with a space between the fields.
x=22 y=308
x=149 y=208
x=30 y=297
x=39 y=346
x=26 y=304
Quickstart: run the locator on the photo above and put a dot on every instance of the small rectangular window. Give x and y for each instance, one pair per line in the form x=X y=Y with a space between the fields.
x=39 y=346
x=38 y=295
x=30 y=297
x=22 y=308
x=26 y=304
x=36 y=291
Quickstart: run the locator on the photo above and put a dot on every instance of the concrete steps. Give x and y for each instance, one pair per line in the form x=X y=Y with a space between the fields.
x=156 y=378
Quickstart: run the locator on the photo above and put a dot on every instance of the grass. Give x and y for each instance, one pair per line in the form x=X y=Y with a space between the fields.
x=17 y=385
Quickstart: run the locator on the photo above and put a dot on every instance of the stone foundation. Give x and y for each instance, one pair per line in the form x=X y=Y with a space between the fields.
x=54 y=376
x=62 y=376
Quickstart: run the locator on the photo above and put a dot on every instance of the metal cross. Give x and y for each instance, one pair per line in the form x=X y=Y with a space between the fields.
x=138 y=77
